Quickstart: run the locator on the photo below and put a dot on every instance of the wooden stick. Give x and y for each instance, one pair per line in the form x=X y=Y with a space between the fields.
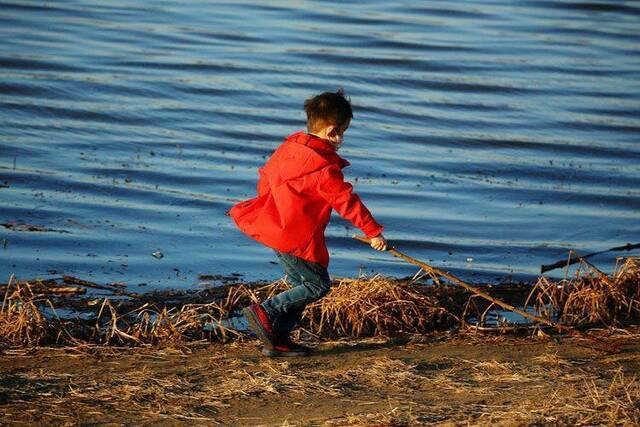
x=560 y=328
x=49 y=287
x=54 y=290
x=63 y=290
x=572 y=260
x=75 y=281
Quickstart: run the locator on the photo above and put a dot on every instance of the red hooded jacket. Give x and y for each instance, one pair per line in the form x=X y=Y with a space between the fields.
x=297 y=188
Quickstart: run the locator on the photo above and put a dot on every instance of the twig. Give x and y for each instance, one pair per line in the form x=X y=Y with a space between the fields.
x=572 y=260
x=75 y=281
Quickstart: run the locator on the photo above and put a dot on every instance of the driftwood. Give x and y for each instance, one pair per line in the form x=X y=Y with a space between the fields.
x=116 y=290
x=436 y=272
x=47 y=287
x=575 y=259
x=58 y=290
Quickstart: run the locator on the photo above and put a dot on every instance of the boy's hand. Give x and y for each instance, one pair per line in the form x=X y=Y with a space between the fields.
x=379 y=243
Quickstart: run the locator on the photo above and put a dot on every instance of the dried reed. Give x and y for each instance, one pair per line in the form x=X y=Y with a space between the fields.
x=374 y=306
x=21 y=319
x=592 y=297
x=614 y=404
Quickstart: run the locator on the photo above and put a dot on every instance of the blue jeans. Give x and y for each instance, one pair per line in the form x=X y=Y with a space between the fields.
x=310 y=282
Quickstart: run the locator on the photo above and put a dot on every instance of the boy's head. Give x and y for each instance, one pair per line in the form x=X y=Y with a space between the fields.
x=328 y=115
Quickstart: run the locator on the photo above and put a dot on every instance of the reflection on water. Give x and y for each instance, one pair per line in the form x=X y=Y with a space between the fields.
x=504 y=133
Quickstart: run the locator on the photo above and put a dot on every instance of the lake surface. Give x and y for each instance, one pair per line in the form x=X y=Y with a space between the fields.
x=489 y=136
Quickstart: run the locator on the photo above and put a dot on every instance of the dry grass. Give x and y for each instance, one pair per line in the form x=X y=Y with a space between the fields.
x=592 y=401
x=571 y=396
x=152 y=325
x=617 y=403
x=592 y=297
x=362 y=307
x=274 y=377
x=375 y=306
x=396 y=415
x=377 y=389
x=178 y=395
x=21 y=319
x=28 y=317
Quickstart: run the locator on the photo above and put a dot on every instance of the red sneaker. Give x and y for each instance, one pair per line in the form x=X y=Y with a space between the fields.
x=286 y=349
x=260 y=324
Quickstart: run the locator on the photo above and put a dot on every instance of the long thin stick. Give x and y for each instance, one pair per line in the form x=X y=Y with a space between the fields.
x=565 y=263
x=75 y=281
x=560 y=328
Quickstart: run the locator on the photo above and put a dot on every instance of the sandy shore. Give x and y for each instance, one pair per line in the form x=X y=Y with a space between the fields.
x=438 y=379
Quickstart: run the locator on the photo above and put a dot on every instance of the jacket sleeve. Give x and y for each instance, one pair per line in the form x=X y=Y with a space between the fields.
x=339 y=194
x=263 y=184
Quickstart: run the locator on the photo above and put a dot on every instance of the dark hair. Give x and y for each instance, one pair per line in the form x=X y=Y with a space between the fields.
x=326 y=109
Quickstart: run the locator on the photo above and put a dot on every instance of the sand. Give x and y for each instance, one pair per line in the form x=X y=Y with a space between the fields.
x=442 y=379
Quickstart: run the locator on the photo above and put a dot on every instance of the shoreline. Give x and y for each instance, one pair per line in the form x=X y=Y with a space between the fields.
x=73 y=311
x=388 y=352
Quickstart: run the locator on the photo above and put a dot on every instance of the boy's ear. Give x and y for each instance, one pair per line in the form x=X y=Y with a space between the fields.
x=331 y=131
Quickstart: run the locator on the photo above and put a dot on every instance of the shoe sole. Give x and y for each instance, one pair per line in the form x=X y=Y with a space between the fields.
x=256 y=326
x=276 y=353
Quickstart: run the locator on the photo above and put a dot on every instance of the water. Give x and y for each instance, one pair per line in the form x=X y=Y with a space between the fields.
x=503 y=132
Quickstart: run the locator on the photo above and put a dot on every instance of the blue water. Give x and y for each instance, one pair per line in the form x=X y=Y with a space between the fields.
x=489 y=136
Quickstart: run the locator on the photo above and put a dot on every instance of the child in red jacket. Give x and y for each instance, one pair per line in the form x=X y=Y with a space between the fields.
x=297 y=188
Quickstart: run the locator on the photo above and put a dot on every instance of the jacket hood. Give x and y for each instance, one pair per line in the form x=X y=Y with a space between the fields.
x=302 y=153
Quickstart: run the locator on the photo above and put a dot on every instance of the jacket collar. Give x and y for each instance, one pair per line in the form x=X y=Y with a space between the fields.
x=321 y=146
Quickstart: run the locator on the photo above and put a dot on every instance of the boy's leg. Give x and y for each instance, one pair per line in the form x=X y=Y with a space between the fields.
x=286 y=322
x=273 y=329
x=311 y=282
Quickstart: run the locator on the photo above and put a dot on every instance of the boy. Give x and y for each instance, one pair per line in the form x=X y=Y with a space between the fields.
x=297 y=188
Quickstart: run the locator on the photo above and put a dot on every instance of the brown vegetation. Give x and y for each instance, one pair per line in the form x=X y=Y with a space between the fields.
x=375 y=306
x=115 y=358
x=496 y=380
x=593 y=298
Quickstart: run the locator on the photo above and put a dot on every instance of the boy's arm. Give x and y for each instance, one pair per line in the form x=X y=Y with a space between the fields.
x=339 y=194
x=263 y=184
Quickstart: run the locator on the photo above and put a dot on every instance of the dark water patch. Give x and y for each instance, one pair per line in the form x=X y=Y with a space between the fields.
x=450 y=12
x=584 y=71
x=613 y=112
x=605 y=127
x=600 y=95
x=138 y=176
x=458 y=86
x=33 y=89
x=129 y=9
x=129 y=89
x=203 y=66
x=241 y=138
x=210 y=91
x=388 y=62
x=414 y=111
x=416 y=47
x=75 y=114
x=579 y=151
x=43 y=6
x=592 y=32
x=613 y=6
x=524 y=176
x=596 y=203
x=336 y=16
x=228 y=114
x=31 y=64
x=237 y=37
